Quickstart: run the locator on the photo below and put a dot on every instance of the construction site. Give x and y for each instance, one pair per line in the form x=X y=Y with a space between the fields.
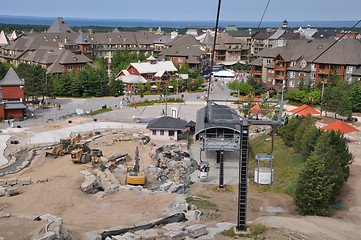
x=85 y=179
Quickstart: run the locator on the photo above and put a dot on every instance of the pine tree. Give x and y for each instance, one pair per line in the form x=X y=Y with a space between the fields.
x=288 y=131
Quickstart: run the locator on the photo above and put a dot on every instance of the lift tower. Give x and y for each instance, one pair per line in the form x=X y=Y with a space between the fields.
x=270 y=114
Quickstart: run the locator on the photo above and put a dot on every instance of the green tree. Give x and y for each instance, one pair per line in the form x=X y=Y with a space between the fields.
x=184 y=69
x=295 y=95
x=257 y=86
x=337 y=101
x=35 y=79
x=309 y=140
x=355 y=97
x=239 y=86
x=305 y=123
x=4 y=68
x=288 y=131
x=324 y=173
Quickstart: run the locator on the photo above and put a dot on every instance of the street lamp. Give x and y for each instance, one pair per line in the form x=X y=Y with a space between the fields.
x=46 y=87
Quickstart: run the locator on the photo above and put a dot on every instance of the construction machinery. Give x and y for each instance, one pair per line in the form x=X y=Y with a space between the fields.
x=66 y=145
x=83 y=154
x=134 y=175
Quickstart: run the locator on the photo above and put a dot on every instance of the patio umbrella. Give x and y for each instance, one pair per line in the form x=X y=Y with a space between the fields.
x=304 y=110
x=341 y=126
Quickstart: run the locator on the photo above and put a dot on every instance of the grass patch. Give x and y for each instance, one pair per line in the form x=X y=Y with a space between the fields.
x=287 y=164
x=208 y=209
x=99 y=111
x=226 y=189
x=152 y=102
x=255 y=230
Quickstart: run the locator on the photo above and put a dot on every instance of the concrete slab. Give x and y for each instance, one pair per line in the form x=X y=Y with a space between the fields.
x=3 y=140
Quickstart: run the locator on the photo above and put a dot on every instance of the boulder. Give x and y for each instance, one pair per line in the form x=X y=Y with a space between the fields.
x=197 y=230
x=174 y=235
x=3 y=191
x=24 y=181
x=90 y=184
x=94 y=235
x=11 y=181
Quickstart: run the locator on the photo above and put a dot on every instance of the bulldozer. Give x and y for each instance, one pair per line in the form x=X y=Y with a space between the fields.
x=134 y=175
x=83 y=154
x=66 y=145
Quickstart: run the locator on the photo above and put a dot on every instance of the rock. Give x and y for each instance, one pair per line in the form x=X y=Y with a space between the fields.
x=56 y=227
x=141 y=223
x=90 y=184
x=174 y=235
x=176 y=188
x=47 y=236
x=174 y=227
x=2 y=191
x=4 y=215
x=127 y=236
x=165 y=186
x=193 y=215
x=85 y=173
x=24 y=181
x=149 y=234
x=94 y=235
x=11 y=181
x=2 y=182
x=50 y=218
x=197 y=230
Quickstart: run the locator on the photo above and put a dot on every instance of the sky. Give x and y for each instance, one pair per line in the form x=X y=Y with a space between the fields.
x=235 y=10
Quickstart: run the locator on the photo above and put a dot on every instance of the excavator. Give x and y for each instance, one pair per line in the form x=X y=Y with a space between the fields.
x=134 y=175
x=83 y=154
x=66 y=145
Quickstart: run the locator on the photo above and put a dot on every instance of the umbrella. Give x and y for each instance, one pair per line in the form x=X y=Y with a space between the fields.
x=223 y=74
x=255 y=109
x=341 y=126
x=304 y=110
x=245 y=98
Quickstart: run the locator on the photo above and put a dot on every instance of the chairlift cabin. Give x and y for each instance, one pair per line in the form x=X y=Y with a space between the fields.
x=264 y=172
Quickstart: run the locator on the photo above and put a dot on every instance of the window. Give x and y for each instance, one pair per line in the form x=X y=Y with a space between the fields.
x=292 y=83
x=80 y=67
x=292 y=74
x=268 y=61
x=149 y=76
x=162 y=132
x=293 y=63
x=171 y=133
x=313 y=76
x=70 y=68
x=154 y=132
x=303 y=64
x=132 y=70
x=180 y=59
x=313 y=67
x=349 y=69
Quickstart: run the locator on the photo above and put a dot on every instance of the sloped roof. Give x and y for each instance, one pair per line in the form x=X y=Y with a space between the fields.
x=132 y=79
x=14 y=105
x=168 y=123
x=82 y=38
x=115 y=30
x=208 y=39
x=304 y=110
x=341 y=126
x=218 y=113
x=256 y=62
x=11 y=79
x=59 y=26
x=4 y=40
x=13 y=35
x=147 y=67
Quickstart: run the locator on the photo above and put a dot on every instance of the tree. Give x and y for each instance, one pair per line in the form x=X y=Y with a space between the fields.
x=305 y=123
x=4 y=68
x=309 y=140
x=35 y=80
x=288 y=131
x=324 y=173
x=239 y=86
x=258 y=87
x=337 y=101
x=355 y=97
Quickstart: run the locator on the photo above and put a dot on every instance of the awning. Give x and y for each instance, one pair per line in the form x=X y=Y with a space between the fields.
x=132 y=79
x=304 y=110
x=224 y=74
x=341 y=126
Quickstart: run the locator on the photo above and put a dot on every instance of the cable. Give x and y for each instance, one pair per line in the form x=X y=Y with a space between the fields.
x=264 y=12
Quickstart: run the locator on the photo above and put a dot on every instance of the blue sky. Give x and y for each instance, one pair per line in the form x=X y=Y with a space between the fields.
x=238 y=10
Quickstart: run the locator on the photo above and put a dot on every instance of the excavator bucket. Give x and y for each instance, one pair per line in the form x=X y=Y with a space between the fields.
x=51 y=154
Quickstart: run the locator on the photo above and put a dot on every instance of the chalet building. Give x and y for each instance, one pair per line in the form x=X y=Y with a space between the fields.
x=184 y=49
x=166 y=128
x=299 y=61
x=12 y=96
x=152 y=71
x=60 y=36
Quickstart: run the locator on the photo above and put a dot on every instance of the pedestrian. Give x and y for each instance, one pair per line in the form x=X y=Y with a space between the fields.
x=135 y=107
x=121 y=105
x=115 y=106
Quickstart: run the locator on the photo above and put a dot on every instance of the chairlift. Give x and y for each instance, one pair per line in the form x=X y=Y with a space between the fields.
x=203 y=170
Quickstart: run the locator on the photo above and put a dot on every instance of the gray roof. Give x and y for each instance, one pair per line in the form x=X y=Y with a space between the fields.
x=82 y=38
x=256 y=62
x=59 y=26
x=218 y=113
x=11 y=79
x=14 y=105
x=184 y=46
x=277 y=34
x=208 y=39
x=4 y=40
x=168 y=123
x=115 y=30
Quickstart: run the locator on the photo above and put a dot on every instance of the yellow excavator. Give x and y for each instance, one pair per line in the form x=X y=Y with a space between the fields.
x=134 y=175
x=83 y=154
x=66 y=145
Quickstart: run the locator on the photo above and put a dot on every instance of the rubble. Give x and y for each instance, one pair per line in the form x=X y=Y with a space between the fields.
x=197 y=230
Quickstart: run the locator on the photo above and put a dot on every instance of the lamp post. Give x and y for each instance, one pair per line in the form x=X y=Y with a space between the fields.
x=46 y=87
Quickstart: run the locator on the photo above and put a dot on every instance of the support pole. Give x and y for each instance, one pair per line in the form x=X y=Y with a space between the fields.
x=242 y=183
x=221 y=169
